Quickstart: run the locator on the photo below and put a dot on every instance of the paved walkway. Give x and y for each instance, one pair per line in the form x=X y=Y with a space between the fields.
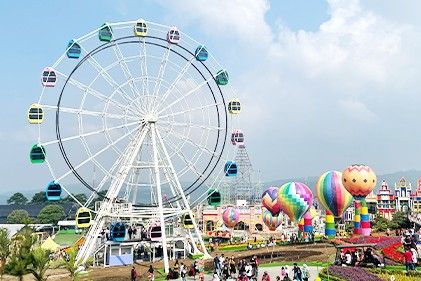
x=275 y=271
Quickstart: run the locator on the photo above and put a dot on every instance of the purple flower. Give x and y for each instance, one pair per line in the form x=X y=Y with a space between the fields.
x=352 y=273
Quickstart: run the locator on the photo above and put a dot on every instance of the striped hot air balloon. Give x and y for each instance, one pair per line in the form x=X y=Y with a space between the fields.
x=270 y=200
x=332 y=194
x=271 y=221
x=230 y=217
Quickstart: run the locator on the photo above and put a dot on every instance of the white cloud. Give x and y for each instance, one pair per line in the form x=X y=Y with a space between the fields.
x=311 y=95
x=358 y=111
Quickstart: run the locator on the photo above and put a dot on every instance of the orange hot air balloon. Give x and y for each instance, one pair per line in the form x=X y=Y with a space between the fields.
x=359 y=180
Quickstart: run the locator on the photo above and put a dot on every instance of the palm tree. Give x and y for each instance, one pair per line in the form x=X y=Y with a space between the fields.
x=20 y=256
x=71 y=264
x=4 y=249
x=40 y=262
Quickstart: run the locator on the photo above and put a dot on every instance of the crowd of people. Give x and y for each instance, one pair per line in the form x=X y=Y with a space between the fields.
x=409 y=240
x=360 y=257
x=132 y=232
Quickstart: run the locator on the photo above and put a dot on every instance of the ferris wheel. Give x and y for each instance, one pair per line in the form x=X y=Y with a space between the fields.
x=138 y=115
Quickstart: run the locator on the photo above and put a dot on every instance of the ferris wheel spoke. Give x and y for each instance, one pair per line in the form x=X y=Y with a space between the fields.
x=125 y=68
x=90 y=113
x=199 y=108
x=192 y=125
x=176 y=80
x=108 y=175
x=92 y=92
x=107 y=77
x=194 y=144
x=186 y=95
x=189 y=164
x=144 y=72
x=160 y=76
x=99 y=152
x=83 y=135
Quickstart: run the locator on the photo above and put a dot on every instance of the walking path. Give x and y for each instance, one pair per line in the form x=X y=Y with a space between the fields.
x=275 y=271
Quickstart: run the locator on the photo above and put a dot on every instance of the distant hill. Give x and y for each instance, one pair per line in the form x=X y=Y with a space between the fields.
x=411 y=176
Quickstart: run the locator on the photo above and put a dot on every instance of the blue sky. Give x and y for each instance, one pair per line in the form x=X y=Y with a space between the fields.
x=325 y=83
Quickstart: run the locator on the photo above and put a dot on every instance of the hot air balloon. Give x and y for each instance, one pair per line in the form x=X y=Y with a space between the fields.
x=271 y=221
x=360 y=180
x=295 y=199
x=332 y=194
x=270 y=200
x=230 y=217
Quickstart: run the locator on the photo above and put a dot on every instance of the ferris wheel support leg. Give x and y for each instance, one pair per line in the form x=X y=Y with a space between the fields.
x=115 y=186
x=183 y=197
x=159 y=195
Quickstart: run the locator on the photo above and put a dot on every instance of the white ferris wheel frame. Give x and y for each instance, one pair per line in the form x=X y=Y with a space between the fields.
x=138 y=129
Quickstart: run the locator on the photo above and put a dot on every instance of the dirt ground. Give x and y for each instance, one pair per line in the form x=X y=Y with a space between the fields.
x=321 y=252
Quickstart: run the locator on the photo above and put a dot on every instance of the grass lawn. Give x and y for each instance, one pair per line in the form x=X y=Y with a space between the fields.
x=66 y=239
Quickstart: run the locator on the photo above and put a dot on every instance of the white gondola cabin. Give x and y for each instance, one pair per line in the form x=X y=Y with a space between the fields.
x=48 y=77
x=173 y=35
x=237 y=137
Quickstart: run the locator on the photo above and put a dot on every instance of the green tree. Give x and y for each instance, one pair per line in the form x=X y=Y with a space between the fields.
x=4 y=249
x=400 y=220
x=81 y=197
x=18 y=199
x=40 y=262
x=99 y=197
x=380 y=223
x=71 y=264
x=18 y=216
x=39 y=198
x=51 y=214
x=20 y=256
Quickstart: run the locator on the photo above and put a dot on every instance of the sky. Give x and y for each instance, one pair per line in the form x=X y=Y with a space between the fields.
x=323 y=84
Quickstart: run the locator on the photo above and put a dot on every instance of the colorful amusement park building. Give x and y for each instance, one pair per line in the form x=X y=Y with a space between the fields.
x=385 y=201
x=416 y=198
x=403 y=195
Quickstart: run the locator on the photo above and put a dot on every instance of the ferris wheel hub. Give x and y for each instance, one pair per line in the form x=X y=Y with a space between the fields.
x=150 y=118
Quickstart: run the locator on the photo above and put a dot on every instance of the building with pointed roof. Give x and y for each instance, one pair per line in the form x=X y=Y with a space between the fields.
x=403 y=195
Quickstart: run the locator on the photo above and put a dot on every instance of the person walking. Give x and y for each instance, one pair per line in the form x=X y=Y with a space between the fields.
x=151 y=276
x=130 y=232
x=183 y=272
x=305 y=272
x=133 y=274
x=408 y=259
x=297 y=273
x=414 y=258
x=249 y=271
x=265 y=276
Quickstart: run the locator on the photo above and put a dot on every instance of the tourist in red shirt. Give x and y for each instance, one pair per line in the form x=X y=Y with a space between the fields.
x=408 y=259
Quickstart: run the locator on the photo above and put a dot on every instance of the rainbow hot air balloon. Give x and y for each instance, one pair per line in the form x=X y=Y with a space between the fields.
x=271 y=221
x=295 y=199
x=230 y=217
x=332 y=194
x=270 y=200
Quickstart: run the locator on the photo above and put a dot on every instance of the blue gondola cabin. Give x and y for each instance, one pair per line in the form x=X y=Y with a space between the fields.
x=53 y=191
x=230 y=169
x=201 y=53
x=73 y=50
